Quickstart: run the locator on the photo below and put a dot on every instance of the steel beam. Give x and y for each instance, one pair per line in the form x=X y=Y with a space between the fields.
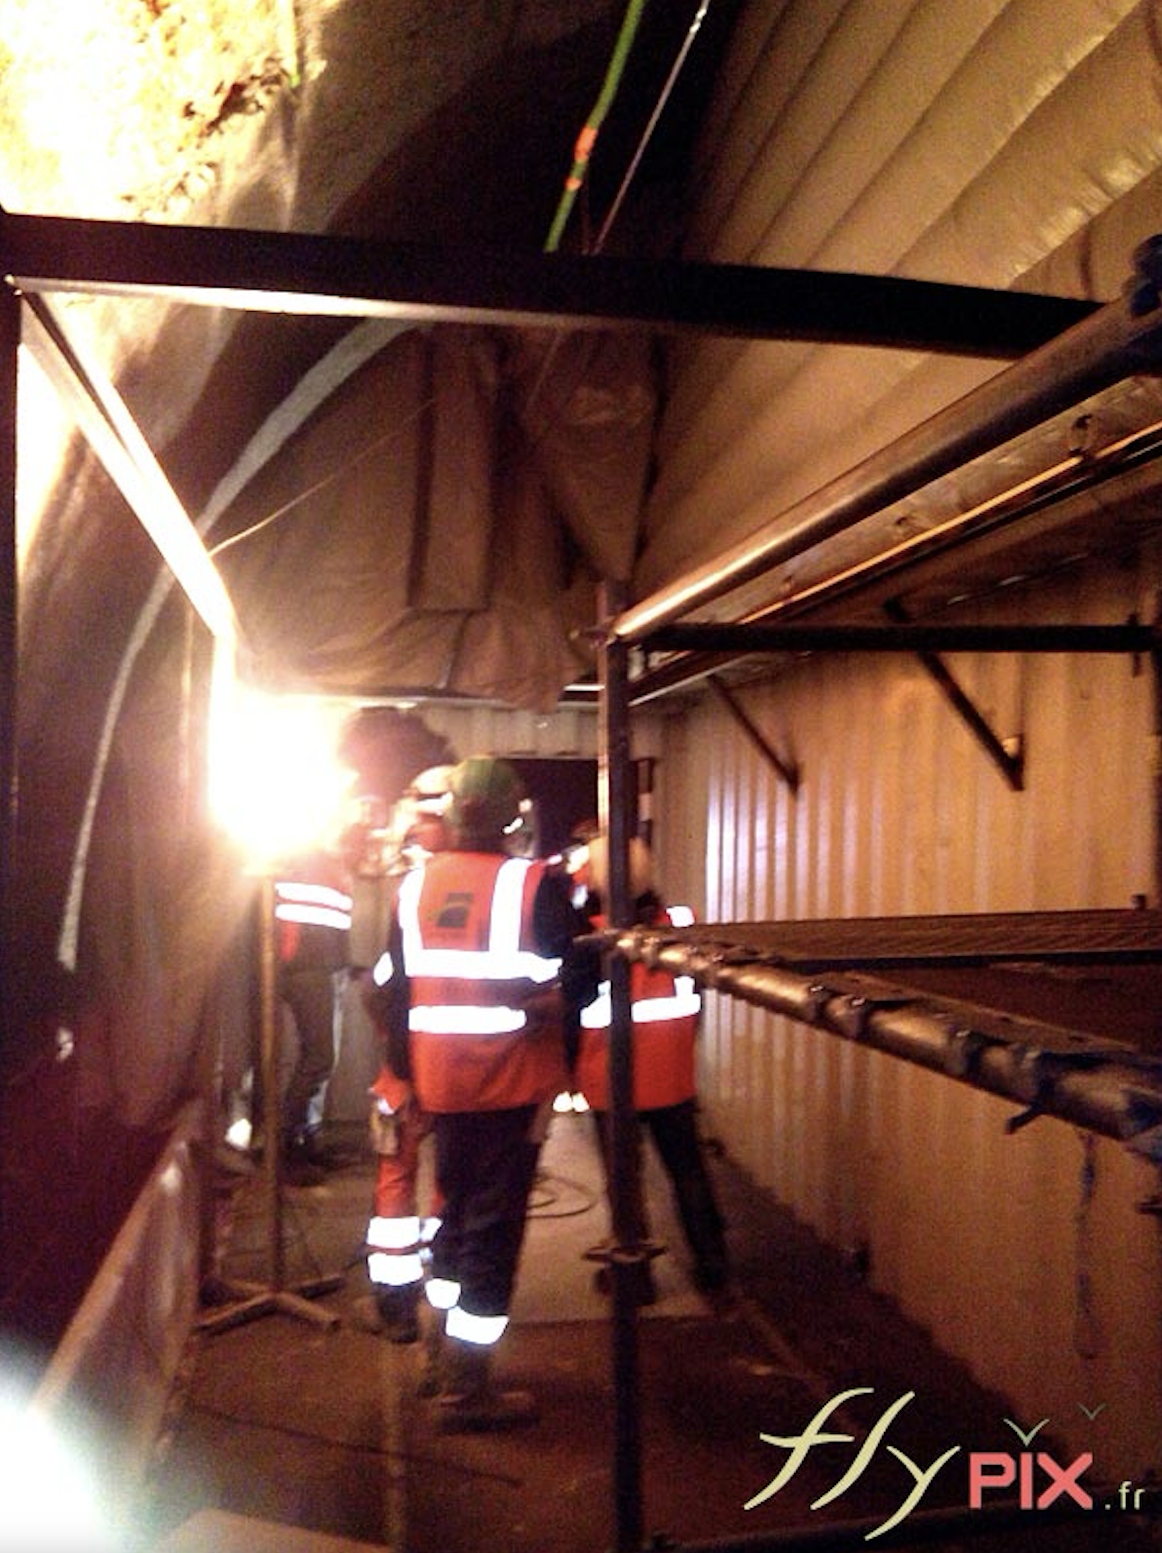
x=1059 y=485
x=114 y=436
x=291 y=272
x=788 y=770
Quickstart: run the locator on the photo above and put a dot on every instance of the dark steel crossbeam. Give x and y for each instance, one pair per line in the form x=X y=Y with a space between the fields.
x=310 y=274
x=741 y=637
x=788 y=770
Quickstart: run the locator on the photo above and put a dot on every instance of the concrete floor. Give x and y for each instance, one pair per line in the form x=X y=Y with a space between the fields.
x=294 y=1436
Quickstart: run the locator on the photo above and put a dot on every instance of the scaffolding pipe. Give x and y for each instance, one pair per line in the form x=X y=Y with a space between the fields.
x=1120 y=339
x=1060 y=487
x=1102 y=1086
x=9 y=347
x=627 y=1252
x=905 y=637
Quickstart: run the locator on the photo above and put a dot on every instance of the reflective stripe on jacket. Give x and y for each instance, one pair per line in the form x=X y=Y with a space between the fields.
x=312 y=909
x=485 y=1014
x=665 y=1023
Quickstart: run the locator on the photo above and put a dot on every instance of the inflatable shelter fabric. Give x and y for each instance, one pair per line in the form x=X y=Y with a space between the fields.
x=430 y=508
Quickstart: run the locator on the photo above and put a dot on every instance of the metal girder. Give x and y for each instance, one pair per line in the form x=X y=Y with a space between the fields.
x=624 y=1161
x=1061 y=484
x=340 y=276
x=1084 y=939
x=114 y=436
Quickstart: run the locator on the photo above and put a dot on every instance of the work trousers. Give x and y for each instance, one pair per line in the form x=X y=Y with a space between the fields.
x=674 y=1131
x=398 y=1234
x=397 y=1175
x=485 y=1164
x=310 y=996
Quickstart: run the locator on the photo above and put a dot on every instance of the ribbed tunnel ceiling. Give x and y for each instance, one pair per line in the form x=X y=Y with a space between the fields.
x=412 y=510
x=444 y=125
x=470 y=487
x=409 y=510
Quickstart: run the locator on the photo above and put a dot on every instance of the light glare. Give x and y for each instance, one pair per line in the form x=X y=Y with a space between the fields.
x=47 y=1491
x=276 y=782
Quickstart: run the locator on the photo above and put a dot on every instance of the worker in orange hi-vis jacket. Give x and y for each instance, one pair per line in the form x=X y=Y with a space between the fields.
x=312 y=922
x=398 y=1235
x=665 y=1011
x=478 y=980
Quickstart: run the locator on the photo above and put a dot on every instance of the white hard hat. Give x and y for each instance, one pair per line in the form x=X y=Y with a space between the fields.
x=429 y=791
x=641 y=866
x=426 y=795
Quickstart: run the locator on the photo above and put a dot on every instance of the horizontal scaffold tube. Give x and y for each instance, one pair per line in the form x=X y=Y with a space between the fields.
x=1115 y=342
x=1104 y=1086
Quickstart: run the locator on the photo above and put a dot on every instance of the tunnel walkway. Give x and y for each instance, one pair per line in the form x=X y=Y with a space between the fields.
x=289 y=1436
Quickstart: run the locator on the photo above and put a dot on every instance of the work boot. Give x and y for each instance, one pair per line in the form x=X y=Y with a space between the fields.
x=390 y=1313
x=470 y=1403
x=298 y=1169
x=309 y=1145
x=399 y=1313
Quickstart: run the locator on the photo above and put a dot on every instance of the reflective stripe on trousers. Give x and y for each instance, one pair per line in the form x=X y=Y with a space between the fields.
x=398 y=1249
x=444 y=1294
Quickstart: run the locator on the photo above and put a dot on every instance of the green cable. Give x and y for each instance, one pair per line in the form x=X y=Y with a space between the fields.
x=589 y=131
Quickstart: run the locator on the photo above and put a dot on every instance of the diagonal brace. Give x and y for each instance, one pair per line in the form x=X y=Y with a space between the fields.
x=788 y=770
x=1011 y=766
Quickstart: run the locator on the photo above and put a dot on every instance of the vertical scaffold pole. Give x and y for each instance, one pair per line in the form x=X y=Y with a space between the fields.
x=9 y=347
x=614 y=800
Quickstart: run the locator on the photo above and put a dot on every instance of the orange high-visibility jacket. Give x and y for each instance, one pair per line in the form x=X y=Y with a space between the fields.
x=485 y=1013
x=665 y=1023
x=312 y=913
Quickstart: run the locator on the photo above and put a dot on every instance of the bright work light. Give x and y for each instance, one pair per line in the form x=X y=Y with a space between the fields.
x=277 y=785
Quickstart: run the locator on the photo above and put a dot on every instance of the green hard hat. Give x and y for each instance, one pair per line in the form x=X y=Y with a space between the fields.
x=484 y=798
